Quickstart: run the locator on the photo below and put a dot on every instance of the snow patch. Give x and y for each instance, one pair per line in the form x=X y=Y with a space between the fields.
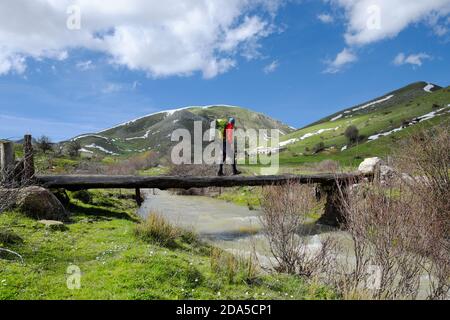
x=336 y=118
x=305 y=136
x=384 y=134
x=428 y=88
x=94 y=146
x=86 y=150
x=145 y=136
x=430 y=115
x=90 y=135
x=425 y=117
x=287 y=142
x=166 y=112
x=344 y=148
x=373 y=103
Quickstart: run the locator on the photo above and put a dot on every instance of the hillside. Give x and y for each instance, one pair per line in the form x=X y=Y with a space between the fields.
x=153 y=132
x=380 y=122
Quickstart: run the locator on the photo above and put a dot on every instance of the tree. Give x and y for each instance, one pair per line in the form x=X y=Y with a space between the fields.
x=73 y=148
x=44 y=144
x=352 y=134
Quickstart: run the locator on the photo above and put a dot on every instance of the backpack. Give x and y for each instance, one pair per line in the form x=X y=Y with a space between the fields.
x=220 y=125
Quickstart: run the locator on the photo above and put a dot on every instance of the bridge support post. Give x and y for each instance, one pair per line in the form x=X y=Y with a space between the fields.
x=6 y=162
x=139 y=199
x=28 y=159
x=334 y=210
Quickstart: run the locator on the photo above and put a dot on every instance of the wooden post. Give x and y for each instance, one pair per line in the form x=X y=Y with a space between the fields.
x=28 y=159
x=6 y=162
x=139 y=199
x=333 y=213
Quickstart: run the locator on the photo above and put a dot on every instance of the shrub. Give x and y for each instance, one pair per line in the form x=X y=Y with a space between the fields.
x=73 y=148
x=352 y=133
x=383 y=224
x=235 y=269
x=155 y=228
x=132 y=165
x=285 y=210
x=425 y=158
x=44 y=144
x=401 y=225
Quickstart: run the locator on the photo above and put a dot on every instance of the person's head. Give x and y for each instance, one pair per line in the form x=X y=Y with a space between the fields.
x=231 y=120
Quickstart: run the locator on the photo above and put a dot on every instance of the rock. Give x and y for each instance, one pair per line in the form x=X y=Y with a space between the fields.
x=386 y=172
x=40 y=203
x=53 y=225
x=370 y=165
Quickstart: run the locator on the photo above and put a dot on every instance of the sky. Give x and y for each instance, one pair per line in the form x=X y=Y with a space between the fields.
x=69 y=67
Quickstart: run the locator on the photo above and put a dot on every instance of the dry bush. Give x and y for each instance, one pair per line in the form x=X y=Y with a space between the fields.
x=285 y=209
x=425 y=158
x=384 y=224
x=132 y=164
x=401 y=226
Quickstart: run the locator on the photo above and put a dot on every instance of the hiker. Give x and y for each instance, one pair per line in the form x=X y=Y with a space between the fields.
x=226 y=128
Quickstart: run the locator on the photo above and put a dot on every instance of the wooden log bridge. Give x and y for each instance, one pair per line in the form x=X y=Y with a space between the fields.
x=328 y=183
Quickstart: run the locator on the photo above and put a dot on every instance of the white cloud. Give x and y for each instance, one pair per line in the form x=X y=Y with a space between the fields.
x=412 y=59
x=161 y=38
x=85 y=65
x=272 y=67
x=342 y=59
x=325 y=18
x=369 y=21
x=112 y=88
x=11 y=63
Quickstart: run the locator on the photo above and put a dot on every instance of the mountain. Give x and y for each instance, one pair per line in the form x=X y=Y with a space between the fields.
x=153 y=132
x=380 y=122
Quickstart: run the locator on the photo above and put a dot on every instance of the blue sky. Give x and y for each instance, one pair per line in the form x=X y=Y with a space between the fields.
x=289 y=68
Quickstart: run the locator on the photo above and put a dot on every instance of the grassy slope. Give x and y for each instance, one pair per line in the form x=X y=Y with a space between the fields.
x=117 y=265
x=381 y=120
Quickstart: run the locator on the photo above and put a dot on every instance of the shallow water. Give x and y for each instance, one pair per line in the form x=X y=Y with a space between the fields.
x=235 y=228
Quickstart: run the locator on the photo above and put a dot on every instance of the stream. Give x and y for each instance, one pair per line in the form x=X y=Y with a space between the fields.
x=233 y=228
x=226 y=225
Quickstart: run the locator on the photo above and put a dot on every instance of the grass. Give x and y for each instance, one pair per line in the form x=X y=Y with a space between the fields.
x=243 y=196
x=382 y=120
x=115 y=264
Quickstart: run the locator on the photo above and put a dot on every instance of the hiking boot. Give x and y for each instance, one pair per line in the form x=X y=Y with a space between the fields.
x=236 y=172
x=220 y=173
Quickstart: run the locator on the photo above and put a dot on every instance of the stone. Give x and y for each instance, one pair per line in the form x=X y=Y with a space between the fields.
x=386 y=172
x=39 y=203
x=370 y=165
x=53 y=225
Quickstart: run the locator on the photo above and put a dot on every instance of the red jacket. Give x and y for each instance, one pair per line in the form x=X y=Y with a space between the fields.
x=229 y=132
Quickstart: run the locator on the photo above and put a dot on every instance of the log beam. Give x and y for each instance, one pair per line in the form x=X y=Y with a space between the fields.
x=82 y=182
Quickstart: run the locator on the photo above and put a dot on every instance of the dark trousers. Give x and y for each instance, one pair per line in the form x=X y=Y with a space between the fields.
x=228 y=147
